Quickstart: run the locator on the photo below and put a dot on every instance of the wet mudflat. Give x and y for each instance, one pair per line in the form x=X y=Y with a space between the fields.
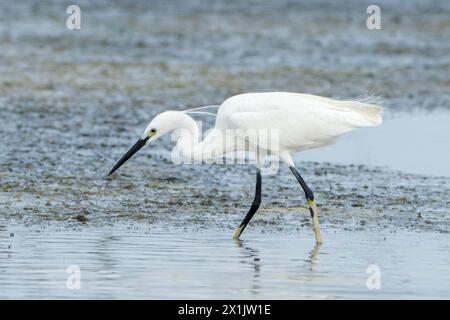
x=72 y=103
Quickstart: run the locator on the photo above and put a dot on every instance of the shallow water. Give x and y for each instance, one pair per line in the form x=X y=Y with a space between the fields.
x=139 y=261
x=414 y=142
x=72 y=102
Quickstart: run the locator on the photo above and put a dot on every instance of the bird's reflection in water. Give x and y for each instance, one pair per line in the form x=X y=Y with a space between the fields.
x=313 y=256
x=305 y=269
x=251 y=257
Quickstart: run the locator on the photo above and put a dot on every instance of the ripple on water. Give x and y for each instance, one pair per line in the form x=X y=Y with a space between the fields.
x=119 y=263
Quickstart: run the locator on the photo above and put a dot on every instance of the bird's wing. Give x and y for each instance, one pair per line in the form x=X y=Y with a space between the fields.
x=352 y=113
x=302 y=121
x=296 y=129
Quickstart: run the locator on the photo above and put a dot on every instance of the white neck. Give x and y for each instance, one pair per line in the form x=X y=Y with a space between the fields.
x=188 y=136
x=189 y=145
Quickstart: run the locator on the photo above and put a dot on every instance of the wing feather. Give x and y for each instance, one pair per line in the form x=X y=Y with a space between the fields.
x=302 y=121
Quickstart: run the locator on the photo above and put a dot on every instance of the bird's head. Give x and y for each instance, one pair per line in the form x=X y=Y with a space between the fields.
x=166 y=122
x=160 y=125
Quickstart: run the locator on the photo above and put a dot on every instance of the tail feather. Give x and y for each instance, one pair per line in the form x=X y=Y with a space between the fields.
x=365 y=114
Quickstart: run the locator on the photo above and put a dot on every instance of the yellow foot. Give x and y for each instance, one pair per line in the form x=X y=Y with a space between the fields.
x=315 y=218
x=238 y=232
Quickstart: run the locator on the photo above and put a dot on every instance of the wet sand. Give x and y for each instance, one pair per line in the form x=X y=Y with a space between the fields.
x=72 y=102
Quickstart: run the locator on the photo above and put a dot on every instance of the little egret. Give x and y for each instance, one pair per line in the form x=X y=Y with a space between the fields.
x=301 y=121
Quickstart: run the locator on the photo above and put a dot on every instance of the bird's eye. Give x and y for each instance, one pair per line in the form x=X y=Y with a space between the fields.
x=153 y=131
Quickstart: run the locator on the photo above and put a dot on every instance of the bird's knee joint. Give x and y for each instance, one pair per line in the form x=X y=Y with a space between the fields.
x=256 y=202
x=309 y=194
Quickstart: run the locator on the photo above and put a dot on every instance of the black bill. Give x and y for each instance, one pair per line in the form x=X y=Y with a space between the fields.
x=135 y=148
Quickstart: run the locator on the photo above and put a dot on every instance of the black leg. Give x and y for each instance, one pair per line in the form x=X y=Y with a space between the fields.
x=308 y=193
x=311 y=202
x=255 y=205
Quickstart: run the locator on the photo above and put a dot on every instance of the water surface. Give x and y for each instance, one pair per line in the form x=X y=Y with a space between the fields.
x=72 y=102
x=141 y=262
x=414 y=142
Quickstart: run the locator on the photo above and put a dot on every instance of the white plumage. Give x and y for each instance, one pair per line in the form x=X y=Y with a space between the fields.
x=300 y=121
x=304 y=121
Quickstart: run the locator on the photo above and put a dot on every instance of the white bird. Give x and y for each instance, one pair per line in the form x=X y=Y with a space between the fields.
x=300 y=121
